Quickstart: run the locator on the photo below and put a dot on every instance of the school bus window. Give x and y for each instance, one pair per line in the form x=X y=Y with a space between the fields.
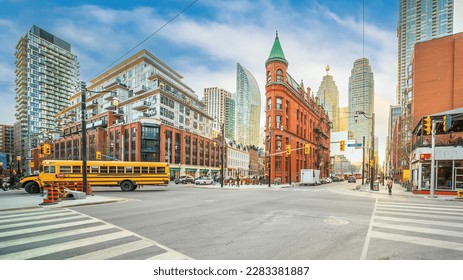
x=128 y=169
x=112 y=169
x=76 y=169
x=120 y=169
x=94 y=169
x=152 y=170
x=88 y=169
x=144 y=170
x=49 y=169
x=65 y=169
x=103 y=169
x=136 y=170
x=161 y=170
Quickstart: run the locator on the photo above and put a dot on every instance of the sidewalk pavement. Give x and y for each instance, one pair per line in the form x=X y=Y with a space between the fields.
x=19 y=200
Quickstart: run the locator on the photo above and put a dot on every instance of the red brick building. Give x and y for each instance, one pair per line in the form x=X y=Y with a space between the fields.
x=293 y=117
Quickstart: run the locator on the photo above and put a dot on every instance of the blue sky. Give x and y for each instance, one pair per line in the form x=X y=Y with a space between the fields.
x=205 y=42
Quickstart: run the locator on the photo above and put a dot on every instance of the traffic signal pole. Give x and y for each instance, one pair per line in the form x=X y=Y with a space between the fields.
x=433 y=152
x=84 y=137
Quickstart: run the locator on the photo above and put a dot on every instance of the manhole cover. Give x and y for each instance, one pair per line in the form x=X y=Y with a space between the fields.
x=335 y=221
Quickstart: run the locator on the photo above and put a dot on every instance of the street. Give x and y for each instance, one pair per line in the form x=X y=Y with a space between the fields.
x=327 y=222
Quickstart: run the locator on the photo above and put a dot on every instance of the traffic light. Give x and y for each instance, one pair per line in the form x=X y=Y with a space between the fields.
x=307 y=149
x=342 y=145
x=46 y=149
x=42 y=149
x=288 y=149
x=98 y=155
x=447 y=123
x=427 y=125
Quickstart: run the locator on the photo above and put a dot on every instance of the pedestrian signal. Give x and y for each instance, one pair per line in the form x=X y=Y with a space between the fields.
x=307 y=149
x=342 y=145
x=98 y=155
x=288 y=149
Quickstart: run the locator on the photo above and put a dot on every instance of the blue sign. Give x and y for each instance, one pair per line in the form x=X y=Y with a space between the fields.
x=354 y=145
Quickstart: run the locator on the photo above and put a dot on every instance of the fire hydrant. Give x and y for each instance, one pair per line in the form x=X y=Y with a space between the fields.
x=460 y=194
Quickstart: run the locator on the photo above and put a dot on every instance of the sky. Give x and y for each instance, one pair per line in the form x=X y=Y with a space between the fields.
x=206 y=41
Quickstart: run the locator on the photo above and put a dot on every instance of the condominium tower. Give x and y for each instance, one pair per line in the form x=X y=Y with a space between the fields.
x=422 y=20
x=361 y=99
x=221 y=107
x=47 y=73
x=248 y=106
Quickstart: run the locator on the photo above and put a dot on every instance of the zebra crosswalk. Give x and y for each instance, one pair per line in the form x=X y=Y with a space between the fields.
x=430 y=226
x=60 y=233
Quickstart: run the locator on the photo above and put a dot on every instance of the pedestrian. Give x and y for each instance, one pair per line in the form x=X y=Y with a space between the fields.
x=389 y=186
x=3 y=183
x=17 y=178
x=237 y=181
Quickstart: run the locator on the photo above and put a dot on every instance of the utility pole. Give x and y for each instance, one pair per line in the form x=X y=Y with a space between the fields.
x=84 y=136
x=363 y=161
x=372 y=150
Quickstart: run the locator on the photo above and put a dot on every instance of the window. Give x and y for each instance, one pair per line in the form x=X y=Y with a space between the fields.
x=128 y=169
x=112 y=169
x=103 y=169
x=120 y=169
x=161 y=170
x=49 y=169
x=278 y=121
x=279 y=75
x=136 y=170
x=65 y=169
x=269 y=104
x=76 y=169
x=279 y=103
x=152 y=170
x=269 y=77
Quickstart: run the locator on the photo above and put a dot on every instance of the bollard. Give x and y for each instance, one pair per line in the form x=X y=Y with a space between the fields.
x=48 y=198
x=460 y=194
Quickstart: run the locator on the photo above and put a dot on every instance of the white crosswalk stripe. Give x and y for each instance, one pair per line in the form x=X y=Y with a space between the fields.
x=67 y=234
x=430 y=225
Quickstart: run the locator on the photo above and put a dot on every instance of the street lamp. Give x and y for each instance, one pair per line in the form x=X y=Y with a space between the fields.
x=372 y=154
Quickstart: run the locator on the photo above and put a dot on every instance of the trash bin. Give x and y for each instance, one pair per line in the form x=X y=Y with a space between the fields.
x=276 y=181
x=376 y=186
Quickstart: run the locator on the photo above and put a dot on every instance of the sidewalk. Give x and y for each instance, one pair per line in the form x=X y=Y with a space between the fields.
x=398 y=190
x=19 y=199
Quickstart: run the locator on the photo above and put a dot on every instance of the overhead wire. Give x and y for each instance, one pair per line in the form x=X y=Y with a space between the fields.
x=147 y=38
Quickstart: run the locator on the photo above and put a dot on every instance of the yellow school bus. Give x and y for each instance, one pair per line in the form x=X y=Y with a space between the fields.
x=128 y=175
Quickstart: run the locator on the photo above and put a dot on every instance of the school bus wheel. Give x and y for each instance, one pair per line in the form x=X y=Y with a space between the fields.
x=127 y=186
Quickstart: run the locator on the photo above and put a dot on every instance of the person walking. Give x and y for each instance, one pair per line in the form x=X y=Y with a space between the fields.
x=389 y=186
x=3 y=183
x=237 y=181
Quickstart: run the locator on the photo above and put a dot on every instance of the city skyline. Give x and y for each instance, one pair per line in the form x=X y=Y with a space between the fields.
x=211 y=37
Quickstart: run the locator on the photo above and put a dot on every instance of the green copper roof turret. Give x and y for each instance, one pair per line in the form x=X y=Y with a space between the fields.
x=277 y=52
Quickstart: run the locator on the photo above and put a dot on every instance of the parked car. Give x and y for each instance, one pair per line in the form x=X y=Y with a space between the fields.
x=351 y=179
x=204 y=180
x=184 y=179
x=329 y=180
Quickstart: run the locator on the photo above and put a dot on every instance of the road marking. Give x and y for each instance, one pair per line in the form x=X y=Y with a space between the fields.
x=452 y=233
x=363 y=256
x=418 y=240
x=34 y=222
x=419 y=221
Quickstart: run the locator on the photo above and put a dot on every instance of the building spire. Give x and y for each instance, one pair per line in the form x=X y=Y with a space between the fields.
x=277 y=52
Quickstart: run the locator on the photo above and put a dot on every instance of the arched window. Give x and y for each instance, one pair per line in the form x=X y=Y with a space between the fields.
x=269 y=77
x=279 y=75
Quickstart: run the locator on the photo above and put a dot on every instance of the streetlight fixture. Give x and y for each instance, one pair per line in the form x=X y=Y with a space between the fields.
x=372 y=154
x=18 y=159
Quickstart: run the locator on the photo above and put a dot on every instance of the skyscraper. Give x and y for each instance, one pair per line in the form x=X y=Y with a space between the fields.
x=47 y=73
x=328 y=97
x=423 y=20
x=361 y=98
x=221 y=107
x=248 y=106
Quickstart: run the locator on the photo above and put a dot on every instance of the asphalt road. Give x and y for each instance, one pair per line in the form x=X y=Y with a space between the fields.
x=327 y=222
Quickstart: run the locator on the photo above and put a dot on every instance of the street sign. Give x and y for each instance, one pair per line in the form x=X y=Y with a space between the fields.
x=354 y=145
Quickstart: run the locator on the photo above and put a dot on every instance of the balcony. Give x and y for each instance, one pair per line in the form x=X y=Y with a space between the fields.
x=110 y=95
x=141 y=105
x=92 y=104
x=109 y=106
x=140 y=89
x=118 y=112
